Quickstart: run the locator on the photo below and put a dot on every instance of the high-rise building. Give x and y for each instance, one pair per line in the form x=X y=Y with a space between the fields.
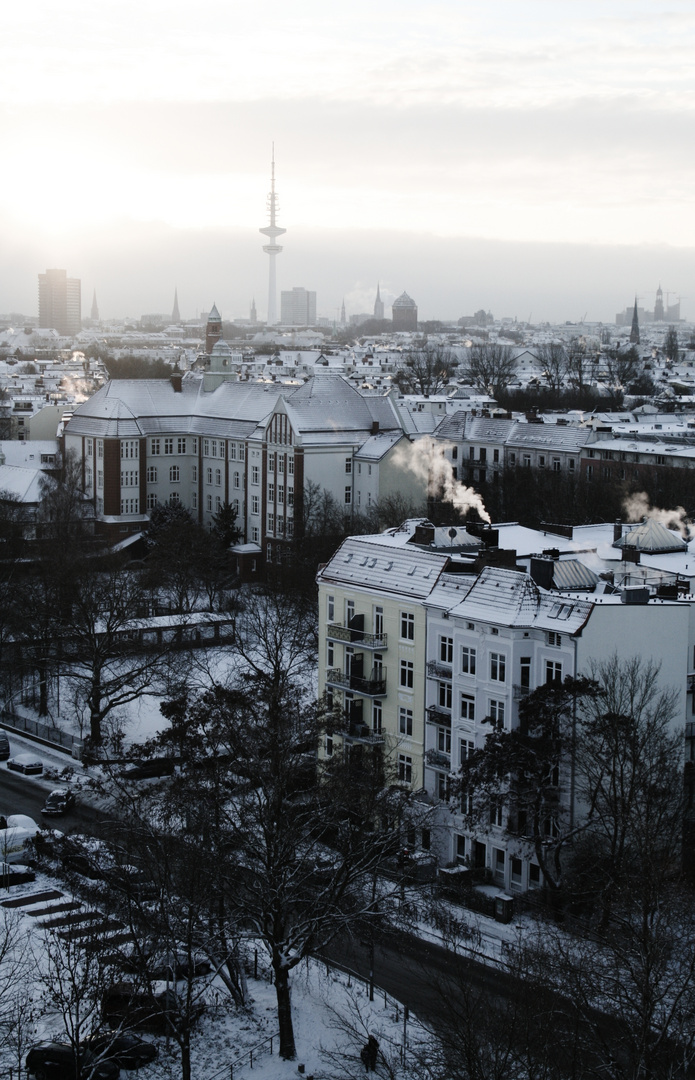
x=659 y=305
x=253 y=318
x=404 y=311
x=60 y=302
x=298 y=307
x=378 y=305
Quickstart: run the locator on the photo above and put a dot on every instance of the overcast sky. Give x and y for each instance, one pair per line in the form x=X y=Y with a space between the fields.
x=533 y=157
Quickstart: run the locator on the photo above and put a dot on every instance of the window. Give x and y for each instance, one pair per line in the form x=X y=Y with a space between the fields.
x=289 y=524
x=218 y=504
x=526 y=459
x=168 y=446
x=213 y=447
x=553 y=671
x=407 y=626
x=271 y=492
x=194 y=500
x=328 y=746
x=290 y=496
x=348 y=465
x=405 y=768
x=151 y=501
x=174 y=474
x=443 y=786
x=130 y=448
x=446 y=650
x=570 y=464
x=89 y=443
x=194 y=474
x=444 y=695
x=499 y=862
x=405 y=721
x=281 y=464
x=496 y=456
x=556 y=464
x=497 y=667
x=100 y=478
x=271 y=522
x=378 y=621
x=406 y=674
x=181 y=446
x=254 y=534
x=444 y=740
x=534 y=874
x=496 y=713
x=174 y=498
x=254 y=504
x=496 y=812
x=541 y=461
x=194 y=446
x=206 y=447
x=232 y=451
x=330 y=608
x=236 y=479
x=290 y=466
x=218 y=478
x=208 y=502
x=235 y=507
x=525 y=672
x=590 y=472
x=254 y=474
x=129 y=478
x=460 y=848
x=349 y=611
x=554 y=639
x=281 y=495
x=130 y=506
x=208 y=475
x=466 y=748
x=348 y=496
x=467 y=660
x=242 y=452
x=467 y=707
x=376 y=717
x=512 y=459
x=100 y=448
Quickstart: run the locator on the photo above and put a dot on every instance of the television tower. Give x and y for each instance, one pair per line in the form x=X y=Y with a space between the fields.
x=272 y=249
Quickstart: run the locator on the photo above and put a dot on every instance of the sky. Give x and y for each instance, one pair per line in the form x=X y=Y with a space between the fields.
x=530 y=157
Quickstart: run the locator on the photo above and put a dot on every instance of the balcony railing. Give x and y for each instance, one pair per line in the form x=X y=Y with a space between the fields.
x=437 y=715
x=336 y=632
x=356 y=732
x=436 y=669
x=372 y=687
x=520 y=692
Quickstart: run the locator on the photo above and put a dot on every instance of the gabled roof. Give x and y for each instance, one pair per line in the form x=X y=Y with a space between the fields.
x=508 y=597
x=367 y=564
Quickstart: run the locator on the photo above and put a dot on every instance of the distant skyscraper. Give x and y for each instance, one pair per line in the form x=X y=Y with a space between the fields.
x=378 y=305
x=404 y=312
x=60 y=302
x=272 y=249
x=634 y=329
x=659 y=305
x=175 y=317
x=298 y=307
x=95 y=310
x=213 y=329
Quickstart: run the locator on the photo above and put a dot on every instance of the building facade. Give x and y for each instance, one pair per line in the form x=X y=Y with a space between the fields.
x=60 y=302
x=297 y=307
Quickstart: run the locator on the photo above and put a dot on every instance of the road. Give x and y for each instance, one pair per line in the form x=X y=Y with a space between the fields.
x=21 y=794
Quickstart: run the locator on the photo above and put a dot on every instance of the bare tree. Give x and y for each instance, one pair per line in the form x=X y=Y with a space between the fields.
x=622 y=368
x=426 y=369
x=553 y=364
x=490 y=368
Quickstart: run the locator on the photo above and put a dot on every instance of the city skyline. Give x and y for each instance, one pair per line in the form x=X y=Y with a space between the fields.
x=530 y=158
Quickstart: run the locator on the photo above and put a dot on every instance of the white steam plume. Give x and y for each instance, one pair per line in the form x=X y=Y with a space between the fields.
x=637 y=507
x=425 y=458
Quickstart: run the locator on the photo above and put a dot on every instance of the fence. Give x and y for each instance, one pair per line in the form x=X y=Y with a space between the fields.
x=46 y=733
x=231 y=1070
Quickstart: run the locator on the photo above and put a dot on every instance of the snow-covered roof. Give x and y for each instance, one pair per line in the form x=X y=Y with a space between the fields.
x=651 y=536
x=367 y=563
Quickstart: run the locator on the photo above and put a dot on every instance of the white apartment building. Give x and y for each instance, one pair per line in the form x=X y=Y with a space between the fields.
x=480 y=643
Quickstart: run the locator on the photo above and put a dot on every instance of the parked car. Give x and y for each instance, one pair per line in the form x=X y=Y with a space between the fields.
x=25 y=763
x=58 y=802
x=4 y=746
x=127 y=1050
x=125 y=1003
x=148 y=768
x=56 y=1061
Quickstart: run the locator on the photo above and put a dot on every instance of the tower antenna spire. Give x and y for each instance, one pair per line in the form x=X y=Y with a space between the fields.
x=272 y=231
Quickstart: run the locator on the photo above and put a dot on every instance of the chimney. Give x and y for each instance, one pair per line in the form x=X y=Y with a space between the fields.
x=617 y=529
x=542 y=567
x=176 y=383
x=375 y=427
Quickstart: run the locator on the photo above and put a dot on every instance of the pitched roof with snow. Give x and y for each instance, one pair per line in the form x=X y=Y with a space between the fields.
x=652 y=537
x=367 y=564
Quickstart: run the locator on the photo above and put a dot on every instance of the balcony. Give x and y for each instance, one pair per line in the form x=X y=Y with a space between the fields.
x=361 y=733
x=520 y=693
x=437 y=759
x=374 y=686
x=336 y=632
x=437 y=715
x=438 y=670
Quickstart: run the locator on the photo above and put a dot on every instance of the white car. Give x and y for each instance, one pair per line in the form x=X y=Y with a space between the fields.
x=26 y=763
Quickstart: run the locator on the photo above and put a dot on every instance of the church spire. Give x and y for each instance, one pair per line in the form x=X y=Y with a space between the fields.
x=378 y=304
x=95 y=310
x=175 y=317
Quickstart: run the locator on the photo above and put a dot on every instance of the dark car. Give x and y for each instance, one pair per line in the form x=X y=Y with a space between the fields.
x=148 y=768
x=128 y=1051
x=26 y=763
x=56 y=1061
x=58 y=802
x=4 y=746
x=124 y=1003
